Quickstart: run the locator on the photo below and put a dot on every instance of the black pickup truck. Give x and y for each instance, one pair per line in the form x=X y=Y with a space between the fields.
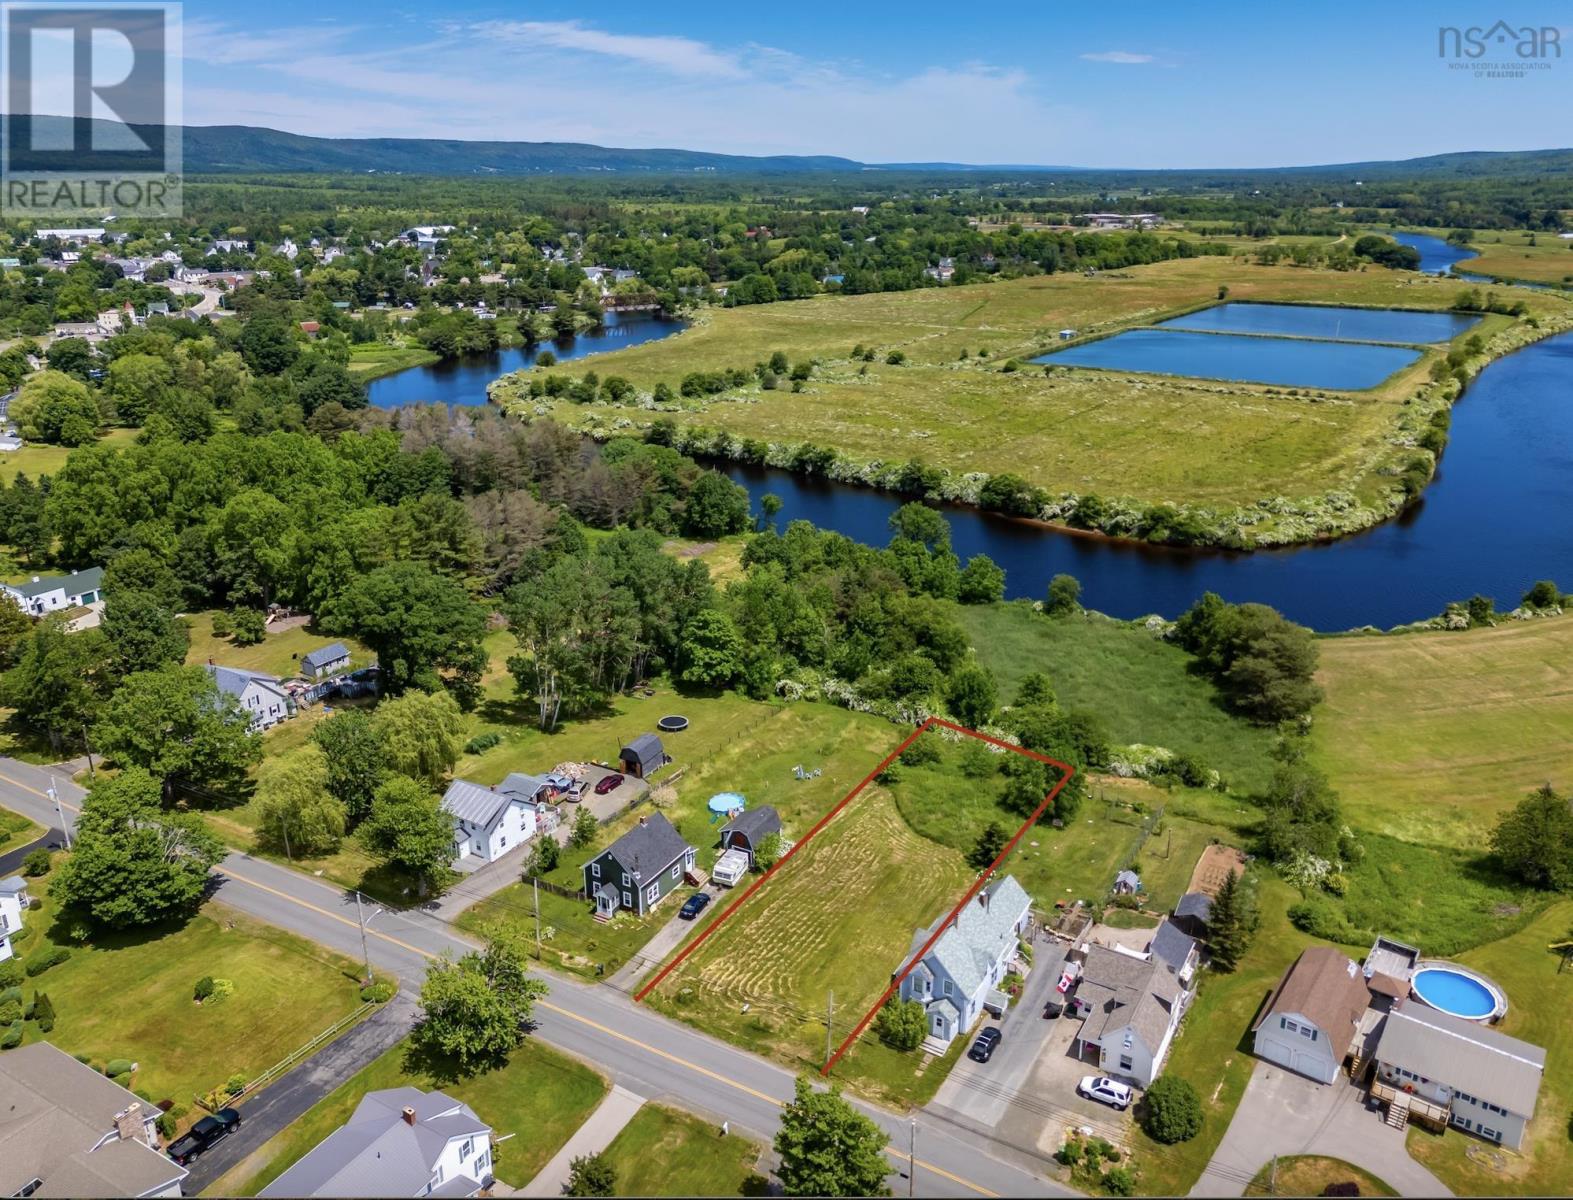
x=203 y=1134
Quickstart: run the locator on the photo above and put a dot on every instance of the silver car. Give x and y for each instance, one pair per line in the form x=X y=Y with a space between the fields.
x=1105 y=1091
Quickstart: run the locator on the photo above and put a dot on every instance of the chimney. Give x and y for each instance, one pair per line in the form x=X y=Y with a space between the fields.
x=983 y=898
x=409 y=1116
x=128 y=1124
x=643 y=821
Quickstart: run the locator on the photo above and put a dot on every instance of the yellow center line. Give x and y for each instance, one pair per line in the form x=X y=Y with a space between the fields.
x=893 y=1151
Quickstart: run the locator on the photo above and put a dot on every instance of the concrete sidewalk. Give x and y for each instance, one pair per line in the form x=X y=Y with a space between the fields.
x=595 y=1135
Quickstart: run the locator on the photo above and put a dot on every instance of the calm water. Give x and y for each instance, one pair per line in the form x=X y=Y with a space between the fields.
x=1437 y=257
x=464 y=380
x=1327 y=321
x=1493 y=521
x=1348 y=366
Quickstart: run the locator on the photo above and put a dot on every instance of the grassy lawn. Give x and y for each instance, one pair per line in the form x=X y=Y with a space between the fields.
x=128 y=995
x=666 y=1152
x=1143 y=436
x=1213 y=1047
x=16 y=830
x=837 y=919
x=373 y=361
x=277 y=654
x=540 y=1097
x=1431 y=736
x=1510 y=255
x=38 y=458
x=1540 y=1010
x=1308 y=1174
x=723 y=557
x=1140 y=686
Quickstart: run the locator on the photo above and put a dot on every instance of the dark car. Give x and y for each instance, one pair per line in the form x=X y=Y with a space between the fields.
x=694 y=905
x=610 y=784
x=983 y=1049
x=203 y=1134
x=1054 y=1008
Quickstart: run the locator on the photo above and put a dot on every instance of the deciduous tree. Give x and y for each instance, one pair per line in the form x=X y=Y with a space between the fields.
x=828 y=1148
x=421 y=734
x=476 y=1010
x=410 y=832
x=355 y=761
x=295 y=810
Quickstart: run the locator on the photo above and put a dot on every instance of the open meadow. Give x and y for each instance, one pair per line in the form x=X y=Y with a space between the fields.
x=1431 y=736
x=1539 y=256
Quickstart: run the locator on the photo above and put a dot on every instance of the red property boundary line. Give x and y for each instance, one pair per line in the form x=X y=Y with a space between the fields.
x=1066 y=771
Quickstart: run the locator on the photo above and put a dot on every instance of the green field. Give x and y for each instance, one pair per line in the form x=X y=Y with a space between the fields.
x=1308 y=1174
x=373 y=361
x=1431 y=736
x=1139 y=685
x=1510 y=254
x=38 y=458
x=129 y=995
x=277 y=654
x=537 y=1100
x=666 y=1152
x=1145 y=437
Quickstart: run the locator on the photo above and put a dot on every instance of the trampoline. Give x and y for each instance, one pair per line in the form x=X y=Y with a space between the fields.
x=672 y=724
x=725 y=802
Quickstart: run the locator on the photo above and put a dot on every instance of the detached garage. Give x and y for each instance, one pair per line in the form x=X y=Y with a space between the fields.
x=642 y=757
x=1313 y=1016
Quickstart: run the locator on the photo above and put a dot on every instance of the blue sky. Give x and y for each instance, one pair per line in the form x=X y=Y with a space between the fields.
x=1131 y=84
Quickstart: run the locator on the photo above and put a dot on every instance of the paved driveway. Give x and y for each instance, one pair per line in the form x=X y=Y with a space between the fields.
x=1283 y=1113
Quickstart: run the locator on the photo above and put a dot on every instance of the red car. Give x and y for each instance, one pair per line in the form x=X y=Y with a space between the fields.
x=610 y=784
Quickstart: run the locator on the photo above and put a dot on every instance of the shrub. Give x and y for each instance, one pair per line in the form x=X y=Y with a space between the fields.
x=50 y=956
x=11 y=1037
x=10 y=1012
x=222 y=625
x=166 y=1125
x=250 y=626
x=10 y=993
x=203 y=990
x=1171 y=1111
x=482 y=742
x=36 y=863
x=1119 y=1181
x=43 y=1012
x=1064 y=596
x=235 y=1084
x=377 y=993
x=924 y=750
x=119 y=1066
x=901 y=1024
x=1544 y=594
x=1322 y=918
x=895 y=358
x=223 y=989
x=10 y=973
x=977 y=762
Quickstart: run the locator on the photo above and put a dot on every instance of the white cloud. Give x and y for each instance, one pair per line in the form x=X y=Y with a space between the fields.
x=1119 y=56
x=678 y=55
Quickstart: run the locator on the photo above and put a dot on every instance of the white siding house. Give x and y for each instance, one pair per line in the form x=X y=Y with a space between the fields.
x=488 y=822
x=1132 y=1002
x=262 y=696
x=47 y=594
x=13 y=903
x=959 y=975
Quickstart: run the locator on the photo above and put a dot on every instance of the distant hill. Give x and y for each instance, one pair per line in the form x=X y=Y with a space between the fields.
x=211 y=149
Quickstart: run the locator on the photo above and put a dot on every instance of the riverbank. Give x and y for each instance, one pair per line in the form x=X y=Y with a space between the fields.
x=1150 y=458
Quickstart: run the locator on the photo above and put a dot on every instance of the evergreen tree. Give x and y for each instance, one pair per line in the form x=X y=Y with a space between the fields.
x=1232 y=922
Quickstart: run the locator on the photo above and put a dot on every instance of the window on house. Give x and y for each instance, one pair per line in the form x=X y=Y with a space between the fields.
x=628 y=901
x=625 y=878
x=465 y=1147
x=1291 y=1026
x=676 y=870
x=595 y=870
x=652 y=893
x=947 y=987
x=1125 y=1062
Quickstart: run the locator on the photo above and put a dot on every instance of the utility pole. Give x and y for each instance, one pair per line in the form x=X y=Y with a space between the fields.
x=830 y=1021
x=360 y=915
x=535 y=880
x=912 y=1156
x=87 y=749
x=60 y=812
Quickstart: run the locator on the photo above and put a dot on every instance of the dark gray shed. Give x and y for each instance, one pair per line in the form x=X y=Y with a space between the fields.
x=642 y=756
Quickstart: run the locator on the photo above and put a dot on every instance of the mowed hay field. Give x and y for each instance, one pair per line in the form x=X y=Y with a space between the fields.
x=1510 y=254
x=1430 y=736
x=1152 y=437
x=838 y=917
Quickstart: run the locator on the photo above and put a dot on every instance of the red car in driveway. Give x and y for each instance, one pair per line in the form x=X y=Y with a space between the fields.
x=610 y=784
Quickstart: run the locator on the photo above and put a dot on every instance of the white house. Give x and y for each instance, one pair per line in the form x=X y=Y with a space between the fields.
x=13 y=903
x=959 y=976
x=1131 y=1003
x=51 y=593
x=262 y=696
x=1312 y=1020
x=398 y=1142
x=68 y=1131
x=325 y=660
x=488 y=822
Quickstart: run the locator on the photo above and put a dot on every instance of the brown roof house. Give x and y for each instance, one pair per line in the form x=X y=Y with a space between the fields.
x=1314 y=1016
x=65 y=1130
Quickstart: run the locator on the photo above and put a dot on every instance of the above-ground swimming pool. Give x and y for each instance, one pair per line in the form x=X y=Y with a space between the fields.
x=1458 y=991
x=725 y=802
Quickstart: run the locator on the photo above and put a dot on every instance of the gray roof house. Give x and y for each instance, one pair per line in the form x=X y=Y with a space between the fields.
x=262 y=696
x=746 y=830
x=639 y=869
x=1192 y=913
x=642 y=756
x=959 y=977
x=50 y=593
x=1447 y=1071
x=66 y=1130
x=325 y=660
x=1174 y=949
x=398 y=1142
x=1130 y=1005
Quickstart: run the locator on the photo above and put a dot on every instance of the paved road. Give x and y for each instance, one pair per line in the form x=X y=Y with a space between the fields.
x=638 y=1049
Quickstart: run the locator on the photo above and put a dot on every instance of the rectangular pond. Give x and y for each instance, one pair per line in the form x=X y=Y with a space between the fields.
x=1285 y=362
x=1328 y=321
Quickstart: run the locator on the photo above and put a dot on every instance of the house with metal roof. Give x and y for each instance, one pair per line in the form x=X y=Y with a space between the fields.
x=51 y=593
x=1443 y=1071
x=398 y=1142
x=325 y=660
x=958 y=977
x=642 y=757
x=262 y=696
x=66 y=1130
x=639 y=869
x=1130 y=1004
x=490 y=821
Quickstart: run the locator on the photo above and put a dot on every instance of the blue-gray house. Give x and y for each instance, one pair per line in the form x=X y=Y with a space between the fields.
x=325 y=660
